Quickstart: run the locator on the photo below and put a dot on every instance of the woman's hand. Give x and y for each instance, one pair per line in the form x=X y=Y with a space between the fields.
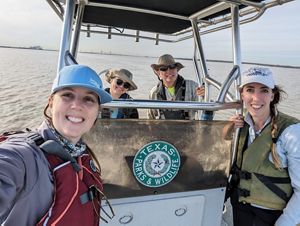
x=238 y=121
x=200 y=91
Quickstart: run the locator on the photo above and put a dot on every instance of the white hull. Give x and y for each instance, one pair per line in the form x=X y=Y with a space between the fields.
x=194 y=208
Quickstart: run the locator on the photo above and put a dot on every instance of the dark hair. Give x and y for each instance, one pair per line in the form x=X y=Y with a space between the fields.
x=45 y=113
x=279 y=94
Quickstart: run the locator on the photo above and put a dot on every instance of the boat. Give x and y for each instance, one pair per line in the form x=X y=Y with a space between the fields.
x=163 y=172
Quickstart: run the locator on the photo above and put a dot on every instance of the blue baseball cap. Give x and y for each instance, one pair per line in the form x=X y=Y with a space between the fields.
x=80 y=76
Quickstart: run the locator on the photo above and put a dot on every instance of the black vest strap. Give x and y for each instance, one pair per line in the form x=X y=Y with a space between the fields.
x=276 y=180
x=243 y=192
x=269 y=183
x=37 y=138
x=244 y=175
x=186 y=113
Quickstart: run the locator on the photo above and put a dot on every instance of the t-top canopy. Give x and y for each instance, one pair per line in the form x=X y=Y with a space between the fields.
x=159 y=16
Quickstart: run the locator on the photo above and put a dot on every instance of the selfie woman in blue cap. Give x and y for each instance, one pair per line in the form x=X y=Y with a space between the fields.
x=49 y=176
x=266 y=184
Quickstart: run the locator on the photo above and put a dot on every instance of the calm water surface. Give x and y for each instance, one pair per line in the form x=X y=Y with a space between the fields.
x=26 y=77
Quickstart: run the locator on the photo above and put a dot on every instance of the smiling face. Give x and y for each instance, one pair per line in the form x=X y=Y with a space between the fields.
x=73 y=112
x=168 y=77
x=117 y=90
x=257 y=98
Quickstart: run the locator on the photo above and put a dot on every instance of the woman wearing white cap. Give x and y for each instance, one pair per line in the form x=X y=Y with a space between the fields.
x=267 y=181
x=48 y=176
x=121 y=81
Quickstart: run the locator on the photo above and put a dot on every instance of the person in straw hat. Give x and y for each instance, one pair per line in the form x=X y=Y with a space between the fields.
x=120 y=83
x=266 y=189
x=172 y=87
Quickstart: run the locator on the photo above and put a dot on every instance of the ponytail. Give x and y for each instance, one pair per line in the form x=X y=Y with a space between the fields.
x=278 y=95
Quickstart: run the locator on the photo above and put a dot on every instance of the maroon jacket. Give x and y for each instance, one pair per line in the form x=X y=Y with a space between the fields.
x=34 y=192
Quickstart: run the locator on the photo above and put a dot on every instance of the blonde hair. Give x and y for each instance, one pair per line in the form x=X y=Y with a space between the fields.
x=278 y=95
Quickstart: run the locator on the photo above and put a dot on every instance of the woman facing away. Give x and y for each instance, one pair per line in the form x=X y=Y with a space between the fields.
x=121 y=81
x=48 y=176
x=267 y=187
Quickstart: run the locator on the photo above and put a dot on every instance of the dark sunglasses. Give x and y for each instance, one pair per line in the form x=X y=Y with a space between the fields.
x=166 y=67
x=120 y=82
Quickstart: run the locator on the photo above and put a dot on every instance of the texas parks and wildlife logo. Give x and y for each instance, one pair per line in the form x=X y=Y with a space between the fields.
x=156 y=164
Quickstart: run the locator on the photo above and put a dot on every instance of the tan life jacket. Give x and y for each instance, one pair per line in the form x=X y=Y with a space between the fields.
x=261 y=183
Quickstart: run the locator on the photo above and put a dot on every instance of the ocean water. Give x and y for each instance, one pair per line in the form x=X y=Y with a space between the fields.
x=26 y=77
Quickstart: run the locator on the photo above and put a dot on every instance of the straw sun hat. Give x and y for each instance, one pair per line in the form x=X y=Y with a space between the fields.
x=123 y=74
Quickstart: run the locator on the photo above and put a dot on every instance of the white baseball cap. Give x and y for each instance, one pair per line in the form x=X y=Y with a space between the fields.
x=260 y=75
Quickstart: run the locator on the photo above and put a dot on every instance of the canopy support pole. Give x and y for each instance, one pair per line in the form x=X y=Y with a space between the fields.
x=236 y=47
x=66 y=33
x=76 y=33
x=206 y=115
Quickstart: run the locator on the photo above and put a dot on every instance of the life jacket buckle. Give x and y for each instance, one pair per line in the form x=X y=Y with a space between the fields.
x=91 y=192
x=89 y=195
x=245 y=175
x=243 y=192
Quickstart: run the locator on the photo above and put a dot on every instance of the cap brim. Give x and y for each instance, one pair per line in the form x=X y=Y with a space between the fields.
x=103 y=95
x=263 y=82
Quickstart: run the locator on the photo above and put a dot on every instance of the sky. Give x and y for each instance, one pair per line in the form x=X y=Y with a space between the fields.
x=273 y=39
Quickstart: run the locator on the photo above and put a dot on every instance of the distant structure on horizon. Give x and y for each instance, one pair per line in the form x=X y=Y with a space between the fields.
x=36 y=47
x=17 y=47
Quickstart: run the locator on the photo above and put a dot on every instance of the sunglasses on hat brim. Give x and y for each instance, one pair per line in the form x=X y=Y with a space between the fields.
x=166 y=67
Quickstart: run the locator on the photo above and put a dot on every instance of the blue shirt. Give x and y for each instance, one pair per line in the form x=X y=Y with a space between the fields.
x=288 y=150
x=114 y=113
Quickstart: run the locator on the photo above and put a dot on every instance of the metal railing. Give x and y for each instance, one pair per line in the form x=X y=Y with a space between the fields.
x=157 y=104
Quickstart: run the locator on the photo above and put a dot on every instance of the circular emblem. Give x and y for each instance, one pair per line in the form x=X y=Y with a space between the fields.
x=156 y=164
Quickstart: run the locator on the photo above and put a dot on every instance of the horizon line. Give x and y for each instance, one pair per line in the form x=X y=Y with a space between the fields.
x=182 y=58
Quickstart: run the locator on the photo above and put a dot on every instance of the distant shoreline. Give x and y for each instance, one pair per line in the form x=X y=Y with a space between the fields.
x=208 y=60
x=246 y=62
x=268 y=65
